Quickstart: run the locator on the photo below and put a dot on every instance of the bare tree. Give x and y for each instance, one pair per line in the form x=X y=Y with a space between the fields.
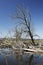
x=18 y=34
x=25 y=20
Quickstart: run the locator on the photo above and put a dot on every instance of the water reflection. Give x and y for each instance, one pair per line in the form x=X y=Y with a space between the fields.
x=16 y=59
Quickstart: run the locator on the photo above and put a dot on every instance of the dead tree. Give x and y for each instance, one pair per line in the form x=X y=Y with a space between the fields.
x=18 y=34
x=21 y=15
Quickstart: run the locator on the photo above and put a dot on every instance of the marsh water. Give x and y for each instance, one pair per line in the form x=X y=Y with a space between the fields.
x=7 y=58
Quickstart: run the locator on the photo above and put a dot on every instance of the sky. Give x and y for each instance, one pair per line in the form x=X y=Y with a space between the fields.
x=7 y=7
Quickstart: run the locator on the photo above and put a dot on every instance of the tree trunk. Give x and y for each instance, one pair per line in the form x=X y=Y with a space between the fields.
x=31 y=36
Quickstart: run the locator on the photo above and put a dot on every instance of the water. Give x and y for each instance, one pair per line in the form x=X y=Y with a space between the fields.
x=7 y=58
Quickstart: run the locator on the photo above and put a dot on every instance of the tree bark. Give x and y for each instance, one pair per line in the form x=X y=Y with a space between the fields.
x=31 y=36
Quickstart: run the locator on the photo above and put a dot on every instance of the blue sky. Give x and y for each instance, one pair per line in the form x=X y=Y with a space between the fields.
x=7 y=7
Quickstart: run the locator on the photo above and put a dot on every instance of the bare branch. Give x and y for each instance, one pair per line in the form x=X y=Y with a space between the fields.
x=22 y=15
x=36 y=35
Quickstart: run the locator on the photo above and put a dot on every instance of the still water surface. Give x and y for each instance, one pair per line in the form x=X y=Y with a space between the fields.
x=13 y=59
